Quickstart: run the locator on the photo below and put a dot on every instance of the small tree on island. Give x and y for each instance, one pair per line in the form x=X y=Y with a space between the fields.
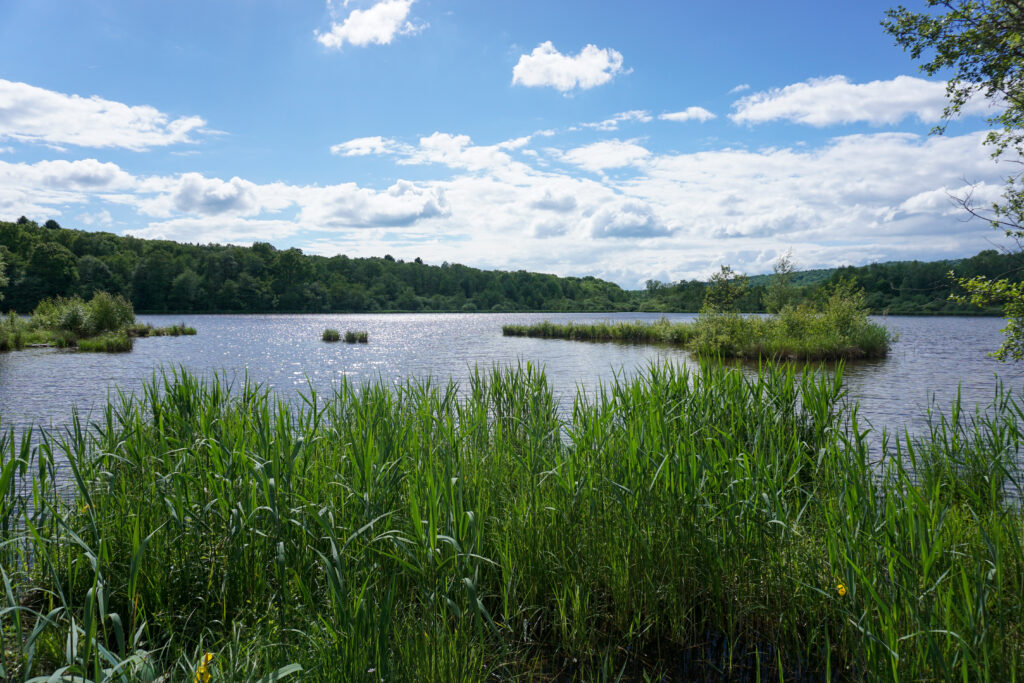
x=725 y=289
x=782 y=291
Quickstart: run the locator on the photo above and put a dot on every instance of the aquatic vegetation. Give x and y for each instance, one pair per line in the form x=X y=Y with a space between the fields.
x=839 y=329
x=147 y=330
x=331 y=335
x=106 y=343
x=353 y=337
x=669 y=525
x=105 y=323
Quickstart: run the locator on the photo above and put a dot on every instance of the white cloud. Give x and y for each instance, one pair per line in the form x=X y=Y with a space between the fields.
x=31 y=114
x=232 y=230
x=100 y=218
x=551 y=201
x=377 y=25
x=689 y=114
x=638 y=115
x=739 y=88
x=547 y=67
x=835 y=100
x=671 y=216
x=631 y=219
x=351 y=206
x=606 y=154
x=359 y=147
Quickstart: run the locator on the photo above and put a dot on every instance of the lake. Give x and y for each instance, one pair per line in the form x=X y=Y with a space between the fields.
x=932 y=358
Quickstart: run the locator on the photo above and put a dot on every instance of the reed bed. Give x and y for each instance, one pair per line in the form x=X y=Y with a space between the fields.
x=791 y=335
x=356 y=337
x=106 y=343
x=331 y=335
x=675 y=525
x=147 y=330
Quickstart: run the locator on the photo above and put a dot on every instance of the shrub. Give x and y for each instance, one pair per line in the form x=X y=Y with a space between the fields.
x=108 y=312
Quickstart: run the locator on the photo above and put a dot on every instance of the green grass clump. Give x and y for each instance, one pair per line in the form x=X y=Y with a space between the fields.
x=106 y=343
x=331 y=335
x=838 y=329
x=353 y=337
x=147 y=330
x=679 y=524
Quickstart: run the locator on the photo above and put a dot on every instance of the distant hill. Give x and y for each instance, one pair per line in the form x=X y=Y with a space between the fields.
x=892 y=287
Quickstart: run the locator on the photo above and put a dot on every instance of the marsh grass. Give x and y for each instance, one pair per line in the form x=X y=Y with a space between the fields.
x=794 y=334
x=676 y=524
x=105 y=323
x=147 y=330
x=836 y=328
x=353 y=337
x=331 y=335
x=106 y=343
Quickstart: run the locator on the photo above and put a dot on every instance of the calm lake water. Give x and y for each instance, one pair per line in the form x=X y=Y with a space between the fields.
x=933 y=357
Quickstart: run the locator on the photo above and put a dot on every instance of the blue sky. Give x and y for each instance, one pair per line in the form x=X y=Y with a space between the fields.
x=625 y=140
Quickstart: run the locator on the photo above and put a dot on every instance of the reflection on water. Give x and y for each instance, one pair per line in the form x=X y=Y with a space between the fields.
x=931 y=358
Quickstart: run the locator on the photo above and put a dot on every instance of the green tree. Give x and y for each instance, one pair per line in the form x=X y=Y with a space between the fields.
x=51 y=271
x=982 y=43
x=725 y=288
x=3 y=276
x=781 y=290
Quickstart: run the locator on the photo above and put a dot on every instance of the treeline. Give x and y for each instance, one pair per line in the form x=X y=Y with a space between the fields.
x=896 y=287
x=162 y=276
x=157 y=276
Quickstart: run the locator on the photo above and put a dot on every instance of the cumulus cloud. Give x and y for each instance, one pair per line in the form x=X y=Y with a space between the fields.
x=544 y=229
x=606 y=154
x=377 y=25
x=835 y=100
x=454 y=151
x=100 y=218
x=547 y=67
x=631 y=219
x=673 y=216
x=550 y=201
x=739 y=88
x=360 y=147
x=689 y=114
x=351 y=206
x=637 y=115
x=31 y=114
x=232 y=230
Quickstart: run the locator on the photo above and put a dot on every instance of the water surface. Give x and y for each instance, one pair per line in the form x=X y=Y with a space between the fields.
x=932 y=358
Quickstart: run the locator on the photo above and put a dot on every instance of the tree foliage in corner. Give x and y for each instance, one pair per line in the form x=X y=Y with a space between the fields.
x=982 y=43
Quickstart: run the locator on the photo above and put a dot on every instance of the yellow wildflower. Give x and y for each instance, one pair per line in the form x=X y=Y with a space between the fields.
x=841 y=589
x=84 y=508
x=203 y=672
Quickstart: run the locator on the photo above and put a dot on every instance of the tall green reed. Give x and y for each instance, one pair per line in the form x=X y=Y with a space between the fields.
x=686 y=517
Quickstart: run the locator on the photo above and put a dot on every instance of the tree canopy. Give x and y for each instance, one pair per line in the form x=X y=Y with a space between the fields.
x=981 y=43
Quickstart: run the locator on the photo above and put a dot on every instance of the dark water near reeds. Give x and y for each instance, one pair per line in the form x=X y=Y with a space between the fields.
x=931 y=359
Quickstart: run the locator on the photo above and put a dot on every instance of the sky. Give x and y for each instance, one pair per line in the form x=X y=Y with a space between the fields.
x=626 y=140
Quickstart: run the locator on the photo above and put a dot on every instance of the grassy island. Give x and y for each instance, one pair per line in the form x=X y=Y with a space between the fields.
x=105 y=323
x=677 y=525
x=356 y=337
x=837 y=329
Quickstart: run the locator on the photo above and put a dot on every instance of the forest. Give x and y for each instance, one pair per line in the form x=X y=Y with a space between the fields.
x=157 y=276
x=167 y=277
